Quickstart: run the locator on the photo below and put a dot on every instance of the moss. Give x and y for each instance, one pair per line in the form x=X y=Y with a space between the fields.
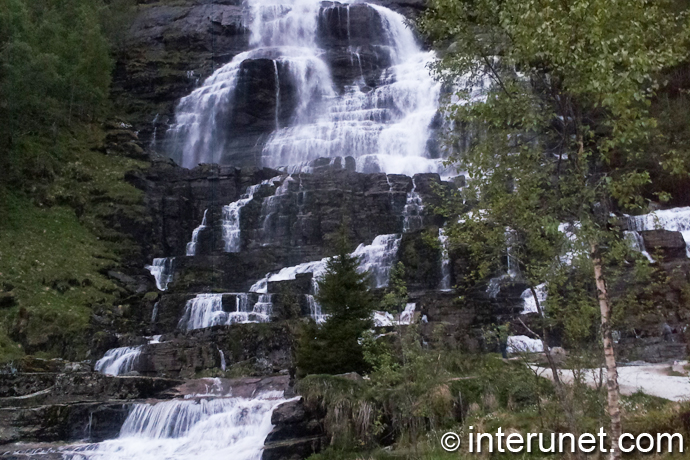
x=54 y=248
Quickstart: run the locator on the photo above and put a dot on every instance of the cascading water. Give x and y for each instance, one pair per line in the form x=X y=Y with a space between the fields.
x=118 y=361
x=206 y=310
x=377 y=258
x=636 y=242
x=412 y=213
x=384 y=318
x=162 y=271
x=385 y=128
x=221 y=427
x=315 y=310
x=675 y=220
x=444 y=285
x=191 y=246
x=529 y=304
x=231 y=216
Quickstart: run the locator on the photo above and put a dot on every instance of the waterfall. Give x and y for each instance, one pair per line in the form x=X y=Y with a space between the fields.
x=378 y=257
x=270 y=208
x=412 y=213
x=118 y=361
x=222 y=427
x=162 y=271
x=383 y=318
x=674 y=220
x=154 y=314
x=223 y=364
x=636 y=243
x=524 y=344
x=206 y=310
x=386 y=128
x=529 y=305
x=191 y=246
x=444 y=285
x=315 y=310
x=231 y=216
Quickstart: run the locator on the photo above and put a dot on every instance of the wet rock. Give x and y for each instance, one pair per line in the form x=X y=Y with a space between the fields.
x=298 y=432
x=671 y=244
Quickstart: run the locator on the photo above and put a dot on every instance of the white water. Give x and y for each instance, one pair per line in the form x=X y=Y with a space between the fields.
x=412 y=213
x=377 y=257
x=385 y=129
x=118 y=361
x=232 y=213
x=529 y=305
x=444 y=285
x=191 y=246
x=636 y=242
x=524 y=344
x=315 y=311
x=383 y=318
x=189 y=429
x=162 y=271
x=674 y=220
x=206 y=310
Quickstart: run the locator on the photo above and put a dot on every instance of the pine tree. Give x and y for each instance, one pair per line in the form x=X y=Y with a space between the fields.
x=334 y=347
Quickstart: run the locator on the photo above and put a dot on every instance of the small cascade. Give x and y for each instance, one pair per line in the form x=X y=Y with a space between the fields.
x=231 y=216
x=524 y=344
x=407 y=316
x=674 y=220
x=118 y=361
x=206 y=310
x=188 y=429
x=154 y=314
x=264 y=306
x=231 y=220
x=529 y=305
x=315 y=310
x=154 y=123
x=378 y=257
x=384 y=318
x=223 y=364
x=444 y=285
x=162 y=271
x=191 y=246
x=412 y=213
x=271 y=207
x=636 y=243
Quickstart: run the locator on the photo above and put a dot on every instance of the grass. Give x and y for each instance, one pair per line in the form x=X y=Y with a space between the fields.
x=56 y=246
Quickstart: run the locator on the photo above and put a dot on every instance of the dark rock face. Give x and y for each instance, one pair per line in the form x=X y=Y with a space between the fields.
x=279 y=228
x=670 y=244
x=66 y=401
x=355 y=42
x=168 y=49
x=261 y=349
x=298 y=432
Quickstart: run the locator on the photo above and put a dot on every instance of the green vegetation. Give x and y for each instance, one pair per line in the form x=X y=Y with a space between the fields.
x=333 y=347
x=58 y=191
x=561 y=141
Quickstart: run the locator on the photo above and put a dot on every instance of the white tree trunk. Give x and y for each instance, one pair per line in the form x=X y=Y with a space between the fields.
x=609 y=356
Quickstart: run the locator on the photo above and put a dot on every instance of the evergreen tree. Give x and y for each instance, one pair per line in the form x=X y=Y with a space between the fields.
x=334 y=347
